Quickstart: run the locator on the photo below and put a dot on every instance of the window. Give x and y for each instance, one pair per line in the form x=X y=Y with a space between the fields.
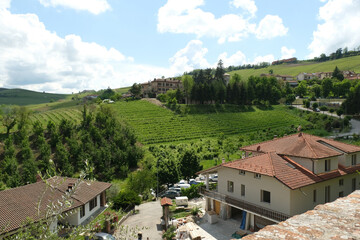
x=159 y=84
x=92 y=203
x=243 y=190
x=327 y=194
x=265 y=196
x=242 y=172
x=230 y=186
x=314 y=195
x=353 y=184
x=341 y=194
x=341 y=182
x=353 y=159
x=82 y=211
x=327 y=165
x=257 y=175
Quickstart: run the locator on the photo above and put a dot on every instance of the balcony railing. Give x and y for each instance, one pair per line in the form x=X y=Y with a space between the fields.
x=258 y=210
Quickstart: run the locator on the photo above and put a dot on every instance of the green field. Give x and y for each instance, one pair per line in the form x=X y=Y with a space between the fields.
x=350 y=63
x=70 y=113
x=25 y=97
x=154 y=124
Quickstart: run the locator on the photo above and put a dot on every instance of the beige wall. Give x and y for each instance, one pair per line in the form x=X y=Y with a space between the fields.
x=319 y=165
x=75 y=219
x=305 y=162
x=302 y=199
x=279 y=193
x=346 y=159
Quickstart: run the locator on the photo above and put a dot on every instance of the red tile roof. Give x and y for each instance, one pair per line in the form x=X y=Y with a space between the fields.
x=166 y=202
x=303 y=145
x=17 y=204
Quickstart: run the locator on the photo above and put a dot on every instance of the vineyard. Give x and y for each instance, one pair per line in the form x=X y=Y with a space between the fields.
x=154 y=124
x=73 y=114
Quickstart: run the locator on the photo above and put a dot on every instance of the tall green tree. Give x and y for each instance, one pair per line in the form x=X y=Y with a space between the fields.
x=220 y=71
x=189 y=164
x=188 y=83
x=337 y=74
x=9 y=117
x=135 y=90
x=327 y=87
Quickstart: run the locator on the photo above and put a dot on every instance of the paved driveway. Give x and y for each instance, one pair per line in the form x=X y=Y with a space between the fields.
x=147 y=219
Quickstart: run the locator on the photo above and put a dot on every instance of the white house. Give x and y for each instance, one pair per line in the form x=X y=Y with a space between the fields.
x=283 y=177
x=32 y=201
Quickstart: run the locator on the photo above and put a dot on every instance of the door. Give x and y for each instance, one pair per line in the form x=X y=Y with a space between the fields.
x=217 y=207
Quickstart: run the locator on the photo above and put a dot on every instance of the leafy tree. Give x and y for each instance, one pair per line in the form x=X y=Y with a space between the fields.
x=220 y=71
x=352 y=103
x=315 y=106
x=9 y=118
x=316 y=89
x=339 y=112
x=126 y=198
x=301 y=90
x=189 y=164
x=107 y=94
x=337 y=74
x=168 y=171
x=135 y=90
x=141 y=181
x=188 y=83
x=29 y=170
x=306 y=103
x=61 y=160
x=290 y=98
x=327 y=87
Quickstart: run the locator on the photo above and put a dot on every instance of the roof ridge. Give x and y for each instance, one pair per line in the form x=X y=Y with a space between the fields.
x=308 y=144
x=272 y=163
x=271 y=140
x=332 y=140
x=286 y=158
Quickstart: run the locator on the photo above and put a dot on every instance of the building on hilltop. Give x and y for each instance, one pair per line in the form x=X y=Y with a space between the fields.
x=33 y=201
x=160 y=86
x=282 y=178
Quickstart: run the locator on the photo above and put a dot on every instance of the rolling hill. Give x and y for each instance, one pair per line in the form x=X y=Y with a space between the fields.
x=26 y=97
x=349 y=63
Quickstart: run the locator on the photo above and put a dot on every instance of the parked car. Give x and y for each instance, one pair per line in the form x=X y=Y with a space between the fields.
x=170 y=194
x=193 y=181
x=103 y=236
x=178 y=189
x=182 y=182
x=184 y=185
x=214 y=178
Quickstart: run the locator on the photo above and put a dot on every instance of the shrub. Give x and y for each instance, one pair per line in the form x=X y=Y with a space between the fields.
x=126 y=198
x=192 y=191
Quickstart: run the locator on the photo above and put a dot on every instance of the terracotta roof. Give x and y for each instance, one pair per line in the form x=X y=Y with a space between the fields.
x=166 y=202
x=17 y=204
x=303 y=145
x=335 y=220
x=284 y=169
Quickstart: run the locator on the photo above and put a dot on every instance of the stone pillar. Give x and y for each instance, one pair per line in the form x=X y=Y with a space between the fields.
x=207 y=204
x=223 y=211
x=207 y=181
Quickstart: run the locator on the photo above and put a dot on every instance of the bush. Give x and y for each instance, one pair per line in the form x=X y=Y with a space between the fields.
x=125 y=199
x=192 y=191
x=170 y=233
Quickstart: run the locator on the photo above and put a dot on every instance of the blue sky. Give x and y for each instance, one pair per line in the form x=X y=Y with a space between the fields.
x=71 y=45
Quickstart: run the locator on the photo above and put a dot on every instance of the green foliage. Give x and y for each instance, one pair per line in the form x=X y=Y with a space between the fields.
x=352 y=103
x=170 y=233
x=337 y=74
x=107 y=94
x=290 y=98
x=192 y=191
x=141 y=181
x=189 y=164
x=126 y=198
x=168 y=171
x=135 y=90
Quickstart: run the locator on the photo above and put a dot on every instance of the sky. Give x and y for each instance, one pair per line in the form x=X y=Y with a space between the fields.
x=66 y=46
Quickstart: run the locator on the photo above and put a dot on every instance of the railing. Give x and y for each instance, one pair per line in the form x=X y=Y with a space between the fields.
x=258 y=210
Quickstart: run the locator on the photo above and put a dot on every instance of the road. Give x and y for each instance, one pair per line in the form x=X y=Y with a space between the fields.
x=355 y=124
x=147 y=220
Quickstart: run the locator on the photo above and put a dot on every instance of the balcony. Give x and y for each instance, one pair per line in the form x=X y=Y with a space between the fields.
x=257 y=210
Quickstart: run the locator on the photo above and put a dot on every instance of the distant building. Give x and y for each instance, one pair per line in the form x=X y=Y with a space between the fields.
x=306 y=76
x=160 y=86
x=289 y=60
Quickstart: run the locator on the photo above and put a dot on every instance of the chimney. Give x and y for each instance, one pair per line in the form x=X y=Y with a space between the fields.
x=70 y=186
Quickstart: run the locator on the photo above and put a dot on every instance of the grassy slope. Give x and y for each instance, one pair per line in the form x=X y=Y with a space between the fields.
x=350 y=63
x=154 y=124
x=26 y=97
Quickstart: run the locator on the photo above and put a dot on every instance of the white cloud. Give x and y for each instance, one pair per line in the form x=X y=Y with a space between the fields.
x=93 y=6
x=236 y=59
x=271 y=26
x=247 y=5
x=267 y=58
x=5 y=4
x=189 y=58
x=34 y=58
x=340 y=27
x=287 y=53
x=188 y=18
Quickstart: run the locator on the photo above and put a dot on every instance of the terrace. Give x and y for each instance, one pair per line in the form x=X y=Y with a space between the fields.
x=244 y=205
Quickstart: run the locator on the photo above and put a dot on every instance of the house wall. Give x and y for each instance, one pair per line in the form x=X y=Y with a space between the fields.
x=75 y=219
x=346 y=159
x=302 y=199
x=319 y=165
x=279 y=193
x=305 y=162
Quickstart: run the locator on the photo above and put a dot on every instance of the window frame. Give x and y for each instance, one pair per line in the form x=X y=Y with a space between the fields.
x=327 y=165
x=82 y=211
x=341 y=194
x=230 y=186
x=327 y=194
x=242 y=193
x=257 y=175
x=353 y=160
x=242 y=172
x=314 y=195
x=92 y=204
x=341 y=182
x=263 y=196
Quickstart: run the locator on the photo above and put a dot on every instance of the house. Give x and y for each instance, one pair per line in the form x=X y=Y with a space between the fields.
x=323 y=75
x=160 y=86
x=306 y=76
x=33 y=201
x=283 y=177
